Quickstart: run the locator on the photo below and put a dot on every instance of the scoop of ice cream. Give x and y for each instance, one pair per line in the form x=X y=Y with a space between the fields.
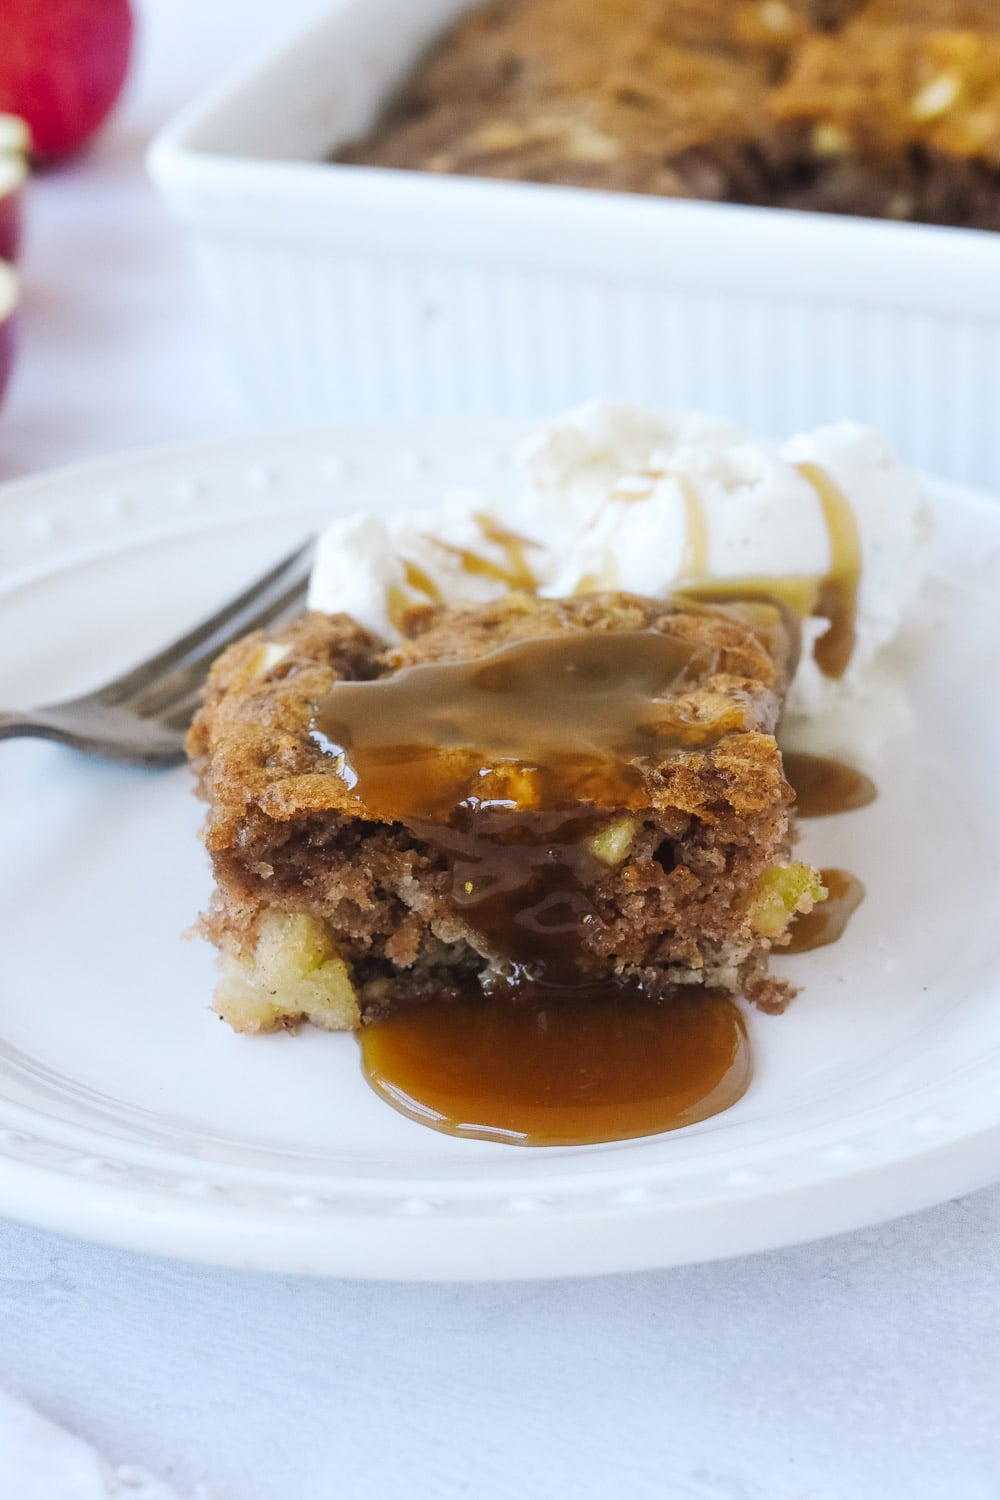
x=621 y=497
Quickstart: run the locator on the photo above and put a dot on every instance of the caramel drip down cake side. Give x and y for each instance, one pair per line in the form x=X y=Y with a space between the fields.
x=669 y=865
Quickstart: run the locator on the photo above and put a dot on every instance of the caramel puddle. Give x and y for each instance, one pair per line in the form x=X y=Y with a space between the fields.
x=552 y=1067
x=448 y=749
x=824 y=786
x=827 y=922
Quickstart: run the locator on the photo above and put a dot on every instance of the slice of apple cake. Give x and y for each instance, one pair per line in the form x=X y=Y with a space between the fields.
x=581 y=791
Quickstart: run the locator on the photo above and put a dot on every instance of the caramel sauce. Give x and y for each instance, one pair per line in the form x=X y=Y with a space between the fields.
x=560 y=722
x=399 y=600
x=837 y=600
x=694 y=559
x=824 y=786
x=509 y=765
x=519 y=570
x=606 y=580
x=631 y=494
x=793 y=593
x=834 y=596
x=521 y=882
x=560 y=1067
x=827 y=922
x=514 y=571
x=421 y=581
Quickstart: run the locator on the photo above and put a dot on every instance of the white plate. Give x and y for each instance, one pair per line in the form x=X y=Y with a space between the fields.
x=129 y=1114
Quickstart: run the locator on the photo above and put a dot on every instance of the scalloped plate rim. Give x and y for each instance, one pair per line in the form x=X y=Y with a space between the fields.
x=74 y=1188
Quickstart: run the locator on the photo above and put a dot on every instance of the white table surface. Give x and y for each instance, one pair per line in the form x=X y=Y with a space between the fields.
x=863 y=1368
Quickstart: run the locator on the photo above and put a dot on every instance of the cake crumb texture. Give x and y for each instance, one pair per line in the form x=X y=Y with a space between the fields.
x=886 y=108
x=322 y=912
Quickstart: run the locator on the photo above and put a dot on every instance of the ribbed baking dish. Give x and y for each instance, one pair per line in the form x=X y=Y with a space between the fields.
x=350 y=292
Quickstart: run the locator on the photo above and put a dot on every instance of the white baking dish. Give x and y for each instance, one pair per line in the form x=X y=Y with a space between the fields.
x=361 y=292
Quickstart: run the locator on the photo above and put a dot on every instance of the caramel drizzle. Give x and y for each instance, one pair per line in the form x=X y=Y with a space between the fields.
x=837 y=598
x=398 y=601
x=421 y=581
x=606 y=579
x=515 y=546
x=694 y=554
x=827 y=923
x=833 y=596
x=516 y=573
x=510 y=765
x=622 y=494
x=694 y=558
x=824 y=786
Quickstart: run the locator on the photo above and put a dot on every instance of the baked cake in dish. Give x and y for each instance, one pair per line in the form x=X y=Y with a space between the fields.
x=887 y=108
x=578 y=790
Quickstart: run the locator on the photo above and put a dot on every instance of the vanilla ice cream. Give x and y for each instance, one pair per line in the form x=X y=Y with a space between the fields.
x=620 y=497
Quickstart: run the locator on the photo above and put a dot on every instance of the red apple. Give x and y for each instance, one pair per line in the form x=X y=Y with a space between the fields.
x=10 y=295
x=62 y=66
x=14 y=142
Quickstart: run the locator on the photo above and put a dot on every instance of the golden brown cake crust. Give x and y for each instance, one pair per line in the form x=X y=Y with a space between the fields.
x=258 y=764
x=290 y=844
x=888 y=108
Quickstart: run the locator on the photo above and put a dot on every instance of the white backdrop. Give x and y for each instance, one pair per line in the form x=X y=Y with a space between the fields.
x=863 y=1367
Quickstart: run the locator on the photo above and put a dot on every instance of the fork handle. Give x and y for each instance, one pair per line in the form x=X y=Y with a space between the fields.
x=13 y=724
x=142 y=743
x=45 y=724
x=18 y=726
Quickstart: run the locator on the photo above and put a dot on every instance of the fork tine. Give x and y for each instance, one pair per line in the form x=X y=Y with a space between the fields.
x=142 y=715
x=185 y=681
x=241 y=615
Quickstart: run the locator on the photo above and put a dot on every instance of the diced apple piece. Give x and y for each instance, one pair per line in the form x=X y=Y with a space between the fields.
x=269 y=656
x=612 y=844
x=779 y=893
x=294 y=973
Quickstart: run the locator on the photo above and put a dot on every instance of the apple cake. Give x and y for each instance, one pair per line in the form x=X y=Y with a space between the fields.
x=887 y=108
x=532 y=790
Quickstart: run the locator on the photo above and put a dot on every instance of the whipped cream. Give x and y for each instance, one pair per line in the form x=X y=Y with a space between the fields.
x=616 y=496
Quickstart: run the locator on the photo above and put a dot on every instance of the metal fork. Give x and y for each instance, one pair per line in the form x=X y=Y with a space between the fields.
x=143 y=715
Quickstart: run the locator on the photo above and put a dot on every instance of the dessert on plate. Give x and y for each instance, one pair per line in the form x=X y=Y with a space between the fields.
x=529 y=743
x=887 y=108
x=577 y=791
